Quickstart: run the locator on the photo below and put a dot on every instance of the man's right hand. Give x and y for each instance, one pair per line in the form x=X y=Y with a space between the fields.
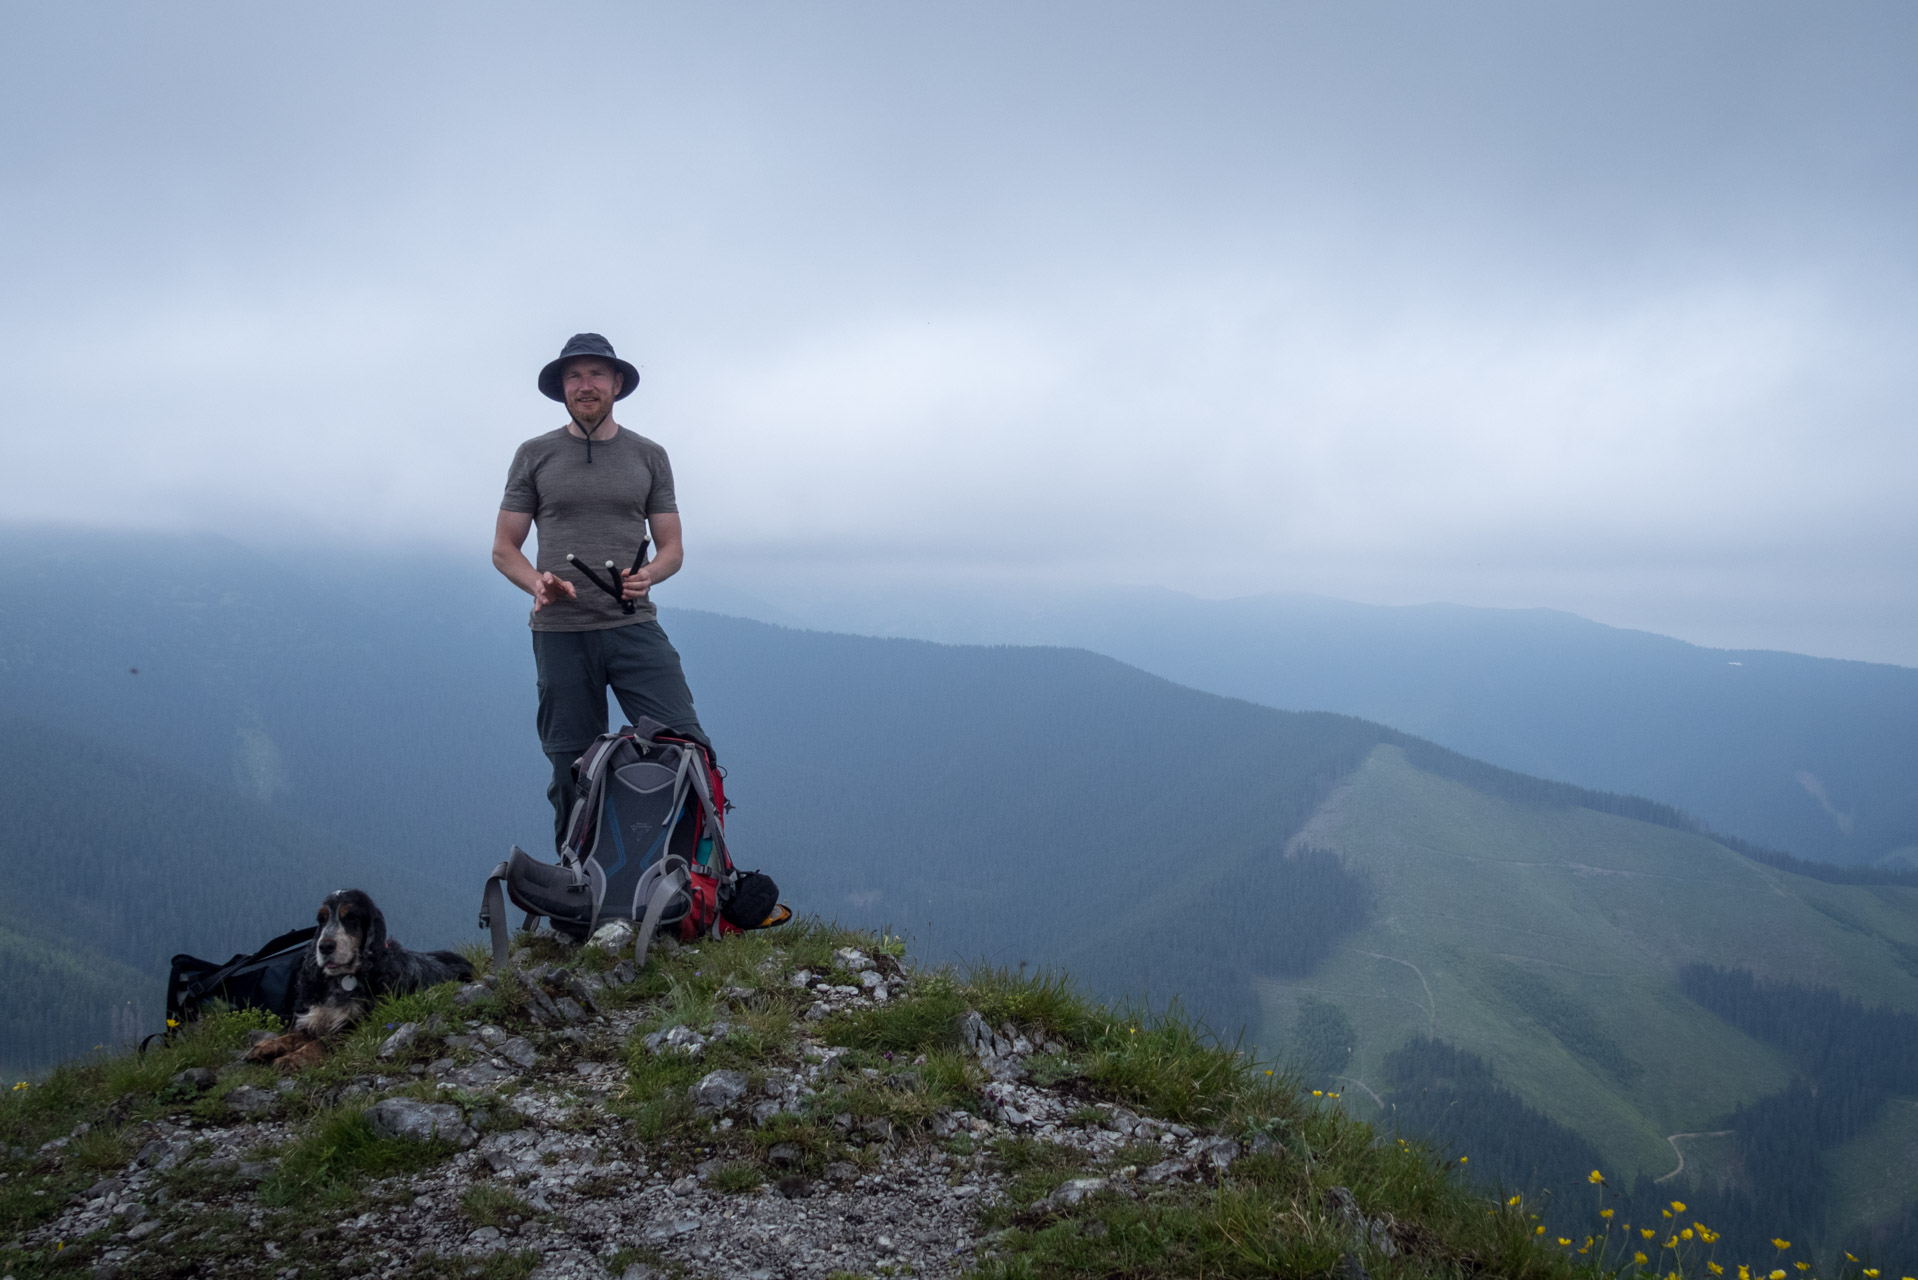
x=548 y=589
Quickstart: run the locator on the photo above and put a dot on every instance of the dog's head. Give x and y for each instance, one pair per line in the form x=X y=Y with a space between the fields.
x=352 y=931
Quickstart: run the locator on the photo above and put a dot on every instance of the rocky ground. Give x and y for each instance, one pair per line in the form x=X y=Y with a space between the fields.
x=527 y=1144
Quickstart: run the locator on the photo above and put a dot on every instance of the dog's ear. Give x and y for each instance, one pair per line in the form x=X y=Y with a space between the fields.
x=375 y=931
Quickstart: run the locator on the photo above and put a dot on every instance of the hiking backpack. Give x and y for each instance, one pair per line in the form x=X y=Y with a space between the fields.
x=645 y=842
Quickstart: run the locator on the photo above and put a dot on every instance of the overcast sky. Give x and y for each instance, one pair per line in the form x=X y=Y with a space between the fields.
x=1603 y=307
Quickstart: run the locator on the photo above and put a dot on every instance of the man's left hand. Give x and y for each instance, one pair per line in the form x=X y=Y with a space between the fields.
x=634 y=583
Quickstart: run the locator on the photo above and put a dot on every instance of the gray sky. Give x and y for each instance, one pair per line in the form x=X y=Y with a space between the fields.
x=1603 y=307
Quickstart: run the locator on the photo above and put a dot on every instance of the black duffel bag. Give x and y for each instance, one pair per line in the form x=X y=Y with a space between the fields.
x=262 y=980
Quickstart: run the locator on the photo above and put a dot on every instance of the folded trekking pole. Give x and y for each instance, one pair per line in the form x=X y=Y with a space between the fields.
x=611 y=583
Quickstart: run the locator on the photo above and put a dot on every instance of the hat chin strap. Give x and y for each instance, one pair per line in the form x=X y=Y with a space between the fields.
x=588 y=431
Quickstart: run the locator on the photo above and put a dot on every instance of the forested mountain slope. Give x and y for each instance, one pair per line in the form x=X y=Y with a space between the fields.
x=112 y=861
x=1807 y=754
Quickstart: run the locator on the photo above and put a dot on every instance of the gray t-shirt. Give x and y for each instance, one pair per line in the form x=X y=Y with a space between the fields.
x=595 y=510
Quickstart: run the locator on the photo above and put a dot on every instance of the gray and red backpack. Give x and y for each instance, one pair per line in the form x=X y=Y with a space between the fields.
x=645 y=842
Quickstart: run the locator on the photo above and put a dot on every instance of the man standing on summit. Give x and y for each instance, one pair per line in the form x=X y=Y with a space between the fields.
x=593 y=488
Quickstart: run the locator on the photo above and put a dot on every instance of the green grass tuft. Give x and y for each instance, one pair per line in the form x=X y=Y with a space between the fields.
x=337 y=1153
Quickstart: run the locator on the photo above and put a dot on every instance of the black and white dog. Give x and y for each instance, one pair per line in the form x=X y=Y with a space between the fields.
x=349 y=967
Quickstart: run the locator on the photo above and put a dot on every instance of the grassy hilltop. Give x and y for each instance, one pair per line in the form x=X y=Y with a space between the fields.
x=132 y=1167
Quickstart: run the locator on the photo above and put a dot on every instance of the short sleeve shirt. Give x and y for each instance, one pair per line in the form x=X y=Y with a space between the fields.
x=596 y=510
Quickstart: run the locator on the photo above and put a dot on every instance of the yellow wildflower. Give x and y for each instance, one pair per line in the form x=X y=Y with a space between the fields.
x=1639 y=1258
x=1802 y=1266
x=1715 y=1268
x=1686 y=1234
x=1871 y=1273
x=1780 y=1244
x=1463 y=1159
x=1563 y=1243
x=1678 y=1206
x=1604 y=1213
x=1318 y=1093
x=1512 y=1202
x=1538 y=1231
x=1647 y=1232
x=1778 y=1274
x=1594 y=1177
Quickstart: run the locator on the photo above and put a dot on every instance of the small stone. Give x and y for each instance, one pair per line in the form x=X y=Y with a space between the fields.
x=492 y=1037
x=413 y=1121
x=402 y=1037
x=1165 y=1170
x=249 y=1100
x=465 y=1042
x=640 y=1271
x=621 y=975
x=870 y=980
x=793 y=1186
x=853 y=959
x=481 y=1075
x=978 y=1036
x=569 y=1009
x=1074 y=1191
x=519 y=1051
x=471 y=993
x=718 y=1090
x=195 y=1078
x=587 y=988
x=144 y=1229
x=684 y=1186
x=842 y=1171
x=1219 y=1153
x=253 y=1170
x=677 y=1039
x=784 y=1155
x=818 y=1011
x=802 y=979
x=614 y=937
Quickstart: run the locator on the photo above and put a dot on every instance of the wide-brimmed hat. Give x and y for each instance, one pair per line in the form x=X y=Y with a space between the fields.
x=586 y=344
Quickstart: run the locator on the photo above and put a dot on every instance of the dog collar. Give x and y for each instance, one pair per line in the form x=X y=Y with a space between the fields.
x=349 y=982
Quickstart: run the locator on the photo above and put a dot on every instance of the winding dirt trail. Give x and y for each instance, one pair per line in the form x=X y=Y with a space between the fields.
x=1680 y=1151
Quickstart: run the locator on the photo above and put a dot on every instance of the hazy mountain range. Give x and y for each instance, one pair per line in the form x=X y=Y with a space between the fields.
x=1810 y=755
x=200 y=741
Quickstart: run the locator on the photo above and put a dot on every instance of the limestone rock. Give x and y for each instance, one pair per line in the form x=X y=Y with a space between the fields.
x=414 y=1121
x=1074 y=1191
x=719 y=1090
x=614 y=937
x=251 y=1101
x=402 y=1038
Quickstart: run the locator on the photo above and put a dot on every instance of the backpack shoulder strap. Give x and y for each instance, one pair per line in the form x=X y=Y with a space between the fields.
x=668 y=877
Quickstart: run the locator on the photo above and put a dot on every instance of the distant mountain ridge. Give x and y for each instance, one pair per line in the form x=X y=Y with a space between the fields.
x=1807 y=755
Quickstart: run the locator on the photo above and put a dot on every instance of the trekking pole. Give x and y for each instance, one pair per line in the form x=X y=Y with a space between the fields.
x=608 y=587
x=611 y=583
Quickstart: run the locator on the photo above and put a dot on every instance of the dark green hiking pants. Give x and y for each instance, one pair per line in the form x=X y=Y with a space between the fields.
x=576 y=668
